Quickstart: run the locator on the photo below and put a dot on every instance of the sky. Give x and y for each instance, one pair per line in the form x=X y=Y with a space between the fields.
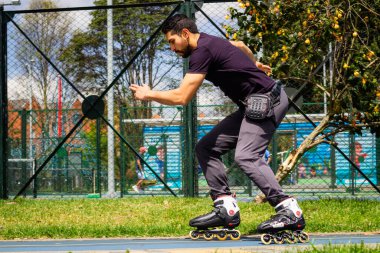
x=15 y=89
x=60 y=3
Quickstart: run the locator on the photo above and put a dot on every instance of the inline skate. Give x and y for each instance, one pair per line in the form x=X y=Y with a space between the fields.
x=285 y=226
x=225 y=214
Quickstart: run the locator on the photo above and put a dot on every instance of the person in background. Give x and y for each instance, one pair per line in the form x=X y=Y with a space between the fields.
x=301 y=171
x=160 y=160
x=313 y=172
x=139 y=171
x=359 y=155
x=267 y=156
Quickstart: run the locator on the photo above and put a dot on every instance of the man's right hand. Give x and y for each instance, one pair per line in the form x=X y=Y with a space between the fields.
x=140 y=92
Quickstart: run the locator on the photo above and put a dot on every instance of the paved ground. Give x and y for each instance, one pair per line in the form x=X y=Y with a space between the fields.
x=173 y=245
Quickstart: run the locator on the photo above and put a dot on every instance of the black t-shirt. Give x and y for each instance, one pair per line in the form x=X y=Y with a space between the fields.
x=227 y=67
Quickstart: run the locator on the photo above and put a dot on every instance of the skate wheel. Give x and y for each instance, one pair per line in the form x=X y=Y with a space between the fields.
x=295 y=236
x=235 y=235
x=266 y=239
x=278 y=238
x=194 y=235
x=290 y=238
x=303 y=237
x=208 y=236
x=221 y=236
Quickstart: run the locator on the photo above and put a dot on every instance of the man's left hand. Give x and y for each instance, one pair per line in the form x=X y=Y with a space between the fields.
x=267 y=69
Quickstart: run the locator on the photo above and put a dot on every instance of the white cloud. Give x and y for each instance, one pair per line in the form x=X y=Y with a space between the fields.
x=20 y=87
x=74 y=3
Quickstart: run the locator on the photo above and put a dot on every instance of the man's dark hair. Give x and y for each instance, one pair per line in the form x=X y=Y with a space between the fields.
x=177 y=22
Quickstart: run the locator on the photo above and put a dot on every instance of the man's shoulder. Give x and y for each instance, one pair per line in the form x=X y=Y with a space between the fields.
x=211 y=45
x=206 y=39
x=209 y=36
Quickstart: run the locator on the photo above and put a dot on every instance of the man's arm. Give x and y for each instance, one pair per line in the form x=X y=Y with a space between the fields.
x=248 y=52
x=180 y=96
x=244 y=48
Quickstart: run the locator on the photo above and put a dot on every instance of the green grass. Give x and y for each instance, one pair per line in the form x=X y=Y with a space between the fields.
x=163 y=216
x=350 y=248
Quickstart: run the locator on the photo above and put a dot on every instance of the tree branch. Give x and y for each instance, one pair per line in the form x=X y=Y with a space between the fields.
x=302 y=80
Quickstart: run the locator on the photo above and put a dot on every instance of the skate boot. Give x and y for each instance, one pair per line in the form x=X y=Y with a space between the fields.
x=285 y=226
x=225 y=214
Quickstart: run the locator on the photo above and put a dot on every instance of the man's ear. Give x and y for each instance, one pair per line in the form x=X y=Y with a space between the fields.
x=185 y=33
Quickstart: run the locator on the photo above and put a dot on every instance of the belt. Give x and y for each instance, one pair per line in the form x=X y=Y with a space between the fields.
x=275 y=92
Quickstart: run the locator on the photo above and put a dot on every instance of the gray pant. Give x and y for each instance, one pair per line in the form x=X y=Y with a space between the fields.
x=250 y=139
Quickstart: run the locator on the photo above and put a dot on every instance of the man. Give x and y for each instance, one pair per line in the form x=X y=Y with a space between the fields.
x=230 y=66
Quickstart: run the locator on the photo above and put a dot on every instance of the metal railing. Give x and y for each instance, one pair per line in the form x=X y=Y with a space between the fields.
x=47 y=82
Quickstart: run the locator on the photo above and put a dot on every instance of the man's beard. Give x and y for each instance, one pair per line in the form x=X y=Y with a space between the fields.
x=184 y=53
x=187 y=51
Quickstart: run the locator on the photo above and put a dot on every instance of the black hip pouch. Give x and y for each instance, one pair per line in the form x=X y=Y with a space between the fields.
x=259 y=106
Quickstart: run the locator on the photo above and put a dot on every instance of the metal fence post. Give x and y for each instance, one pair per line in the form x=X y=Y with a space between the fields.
x=333 y=166
x=122 y=156
x=35 y=182
x=165 y=148
x=3 y=104
x=23 y=147
x=351 y=139
x=190 y=132
x=98 y=160
x=378 y=159
x=69 y=186
x=110 y=104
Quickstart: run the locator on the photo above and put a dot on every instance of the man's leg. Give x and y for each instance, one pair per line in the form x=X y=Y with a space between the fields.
x=254 y=138
x=219 y=140
x=212 y=146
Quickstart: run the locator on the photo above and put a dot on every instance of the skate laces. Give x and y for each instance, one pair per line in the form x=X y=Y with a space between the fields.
x=217 y=208
x=290 y=204
x=229 y=203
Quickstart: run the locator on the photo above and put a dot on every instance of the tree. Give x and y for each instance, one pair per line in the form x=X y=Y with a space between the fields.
x=86 y=57
x=295 y=36
x=48 y=31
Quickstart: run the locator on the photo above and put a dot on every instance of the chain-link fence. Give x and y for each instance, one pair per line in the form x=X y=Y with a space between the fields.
x=59 y=95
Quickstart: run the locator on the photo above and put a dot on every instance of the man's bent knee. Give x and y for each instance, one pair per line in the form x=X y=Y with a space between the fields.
x=202 y=149
x=241 y=159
